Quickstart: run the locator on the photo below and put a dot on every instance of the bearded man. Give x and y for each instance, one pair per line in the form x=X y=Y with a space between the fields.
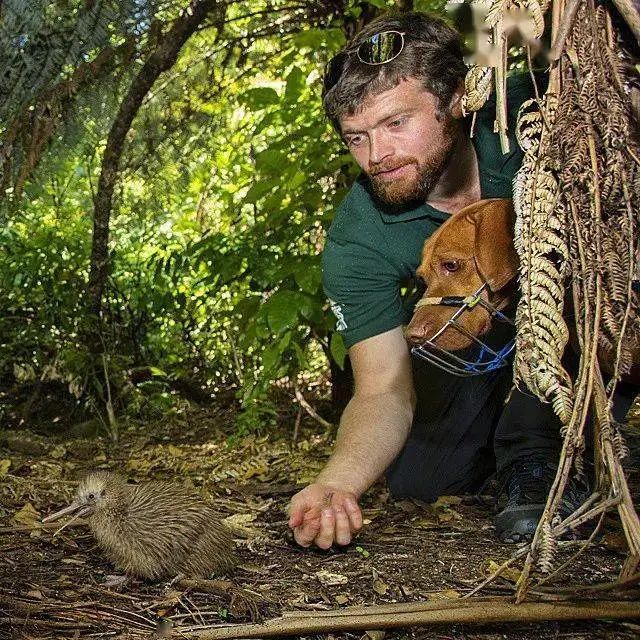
x=394 y=95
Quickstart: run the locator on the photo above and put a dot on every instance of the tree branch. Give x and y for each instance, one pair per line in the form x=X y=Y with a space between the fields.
x=478 y=611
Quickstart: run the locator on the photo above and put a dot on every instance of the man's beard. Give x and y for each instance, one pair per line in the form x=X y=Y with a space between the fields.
x=404 y=190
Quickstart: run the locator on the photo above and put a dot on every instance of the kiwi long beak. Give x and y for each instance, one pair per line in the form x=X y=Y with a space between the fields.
x=72 y=508
x=76 y=508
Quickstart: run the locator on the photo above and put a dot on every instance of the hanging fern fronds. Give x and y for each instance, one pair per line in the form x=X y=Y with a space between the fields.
x=548 y=549
x=576 y=197
x=41 y=43
x=480 y=80
x=542 y=248
x=478 y=83
x=48 y=55
x=535 y=11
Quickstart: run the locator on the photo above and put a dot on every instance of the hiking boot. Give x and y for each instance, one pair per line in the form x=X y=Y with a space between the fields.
x=524 y=496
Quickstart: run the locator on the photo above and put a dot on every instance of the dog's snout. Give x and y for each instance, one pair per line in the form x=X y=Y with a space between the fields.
x=416 y=332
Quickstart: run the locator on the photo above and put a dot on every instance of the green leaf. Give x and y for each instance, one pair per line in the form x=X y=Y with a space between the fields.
x=306 y=304
x=260 y=97
x=271 y=159
x=281 y=311
x=265 y=122
x=295 y=85
x=338 y=349
x=313 y=38
x=308 y=276
x=247 y=307
x=312 y=198
x=259 y=189
x=302 y=359
x=272 y=355
x=299 y=178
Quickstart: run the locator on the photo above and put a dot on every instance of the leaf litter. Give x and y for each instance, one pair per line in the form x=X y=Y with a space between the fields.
x=406 y=551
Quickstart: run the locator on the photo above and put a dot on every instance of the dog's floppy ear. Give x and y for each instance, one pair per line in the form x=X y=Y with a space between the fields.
x=495 y=256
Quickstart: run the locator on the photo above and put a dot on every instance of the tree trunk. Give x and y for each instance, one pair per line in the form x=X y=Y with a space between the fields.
x=162 y=59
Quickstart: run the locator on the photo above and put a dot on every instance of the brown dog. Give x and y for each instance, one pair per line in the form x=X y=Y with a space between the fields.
x=473 y=247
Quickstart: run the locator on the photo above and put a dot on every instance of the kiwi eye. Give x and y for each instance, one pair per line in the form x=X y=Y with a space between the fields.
x=451 y=265
x=92 y=496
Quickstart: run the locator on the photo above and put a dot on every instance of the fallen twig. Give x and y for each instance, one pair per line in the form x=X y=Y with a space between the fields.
x=393 y=616
x=216 y=587
x=35 y=622
x=599 y=587
x=310 y=410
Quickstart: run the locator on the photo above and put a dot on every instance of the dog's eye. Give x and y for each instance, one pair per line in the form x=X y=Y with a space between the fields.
x=451 y=265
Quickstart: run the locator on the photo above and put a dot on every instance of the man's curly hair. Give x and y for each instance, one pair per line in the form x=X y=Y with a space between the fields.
x=432 y=54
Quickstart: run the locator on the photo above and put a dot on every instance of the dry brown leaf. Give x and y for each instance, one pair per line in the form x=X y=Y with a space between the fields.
x=614 y=540
x=445 y=502
x=513 y=575
x=241 y=525
x=5 y=465
x=240 y=519
x=424 y=523
x=380 y=587
x=176 y=452
x=329 y=579
x=58 y=452
x=257 y=470
x=27 y=516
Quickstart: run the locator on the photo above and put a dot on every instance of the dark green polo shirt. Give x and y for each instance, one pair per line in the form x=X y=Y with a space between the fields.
x=373 y=250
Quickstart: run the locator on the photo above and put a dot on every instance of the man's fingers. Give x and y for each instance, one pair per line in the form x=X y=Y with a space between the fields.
x=324 y=539
x=302 y=513
x=305 y=534
x=342 y=527
x=313 y=521
x=295 y=519
x=354 y=514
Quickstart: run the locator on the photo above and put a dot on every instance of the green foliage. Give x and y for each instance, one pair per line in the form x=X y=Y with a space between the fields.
x=227 y=185
x=216 y=232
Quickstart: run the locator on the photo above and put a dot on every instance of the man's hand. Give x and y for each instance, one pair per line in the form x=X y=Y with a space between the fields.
x=323 y=514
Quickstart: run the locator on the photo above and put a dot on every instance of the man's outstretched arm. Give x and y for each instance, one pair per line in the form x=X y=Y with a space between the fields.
x=373 y=429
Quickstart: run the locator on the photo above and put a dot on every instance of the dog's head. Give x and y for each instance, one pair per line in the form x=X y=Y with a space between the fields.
x=473 y=247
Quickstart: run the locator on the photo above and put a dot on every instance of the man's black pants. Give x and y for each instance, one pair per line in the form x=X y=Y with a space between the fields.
x=463 y=431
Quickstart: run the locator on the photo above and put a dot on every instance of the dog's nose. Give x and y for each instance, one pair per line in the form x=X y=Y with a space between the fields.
x=416 y=333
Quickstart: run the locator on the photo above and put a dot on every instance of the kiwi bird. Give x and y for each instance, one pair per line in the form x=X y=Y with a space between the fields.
x=152 y=530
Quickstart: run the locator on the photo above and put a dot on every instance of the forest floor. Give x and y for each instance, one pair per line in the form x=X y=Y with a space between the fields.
x=54 y=587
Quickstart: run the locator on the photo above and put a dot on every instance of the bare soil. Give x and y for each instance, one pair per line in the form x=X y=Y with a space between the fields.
x=54 y=587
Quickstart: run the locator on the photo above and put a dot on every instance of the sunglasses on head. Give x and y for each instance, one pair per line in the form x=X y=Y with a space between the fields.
x=380 y=48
